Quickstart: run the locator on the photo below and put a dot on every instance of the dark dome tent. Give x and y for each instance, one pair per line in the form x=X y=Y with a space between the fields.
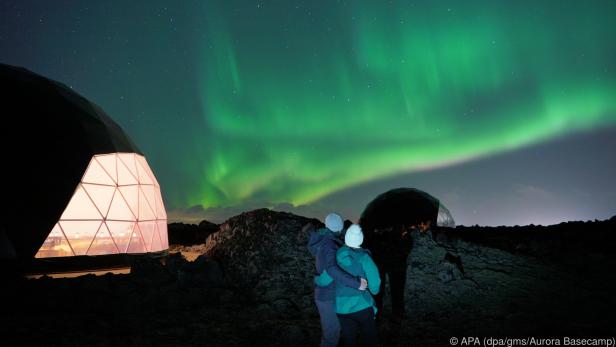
x=76 y=186
x=405 y=206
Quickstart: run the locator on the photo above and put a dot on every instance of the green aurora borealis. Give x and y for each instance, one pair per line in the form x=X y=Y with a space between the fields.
x=241 y=104
x=297 y=108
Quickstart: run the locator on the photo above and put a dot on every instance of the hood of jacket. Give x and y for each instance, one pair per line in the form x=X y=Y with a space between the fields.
x=318 y=238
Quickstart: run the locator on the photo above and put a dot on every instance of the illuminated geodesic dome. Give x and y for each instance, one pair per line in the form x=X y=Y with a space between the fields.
x=75 y=184
x=116 y=208
x=405 y=206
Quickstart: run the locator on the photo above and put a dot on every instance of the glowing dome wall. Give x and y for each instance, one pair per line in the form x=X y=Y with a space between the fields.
x=116 y=208
x=79 y=186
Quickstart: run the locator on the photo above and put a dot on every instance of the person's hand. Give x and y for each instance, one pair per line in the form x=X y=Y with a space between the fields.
x=364 y=284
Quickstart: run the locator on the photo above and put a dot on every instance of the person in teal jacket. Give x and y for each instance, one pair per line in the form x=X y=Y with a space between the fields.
x=356 y=309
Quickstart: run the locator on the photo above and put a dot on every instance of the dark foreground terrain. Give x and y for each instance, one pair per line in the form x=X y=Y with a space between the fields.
x=253 y=287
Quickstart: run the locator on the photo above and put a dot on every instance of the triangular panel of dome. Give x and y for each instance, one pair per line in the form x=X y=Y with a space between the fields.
x=80 y=234
x=136 y=243
x=100 y=195
x=156 y=242
x=121 y=232
x=150 y=194
x=119 y=209
x=55 y=245
x=162 y=230
x=80 y=207
x=144 y=175
x=131 y=196
x=144 y=164
x=145 y=210
x=147 y=231
x=103 y=243
x=128 y=159
x=96 y=174
x=160 y=207
x=125 y=176
x=109 y=163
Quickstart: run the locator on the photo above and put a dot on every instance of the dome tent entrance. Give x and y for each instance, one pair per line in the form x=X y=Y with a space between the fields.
x=78 y=184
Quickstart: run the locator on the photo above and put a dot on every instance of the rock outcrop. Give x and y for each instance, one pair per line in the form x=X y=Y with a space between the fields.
x=265 y=253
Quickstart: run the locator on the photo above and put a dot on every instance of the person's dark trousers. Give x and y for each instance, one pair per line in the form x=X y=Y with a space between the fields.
x=396 y=274
x=397 y=281
x=330 y=326
x=362 y=322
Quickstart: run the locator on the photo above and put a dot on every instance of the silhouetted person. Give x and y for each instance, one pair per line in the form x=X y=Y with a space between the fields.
x=390 y=249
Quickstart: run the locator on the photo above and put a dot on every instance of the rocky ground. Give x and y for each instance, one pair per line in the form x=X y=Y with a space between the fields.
x=250 y=283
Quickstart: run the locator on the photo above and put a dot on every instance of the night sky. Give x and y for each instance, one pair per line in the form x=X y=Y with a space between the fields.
x=504 y=110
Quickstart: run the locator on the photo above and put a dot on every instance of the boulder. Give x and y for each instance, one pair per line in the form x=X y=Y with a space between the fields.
x=265 y=253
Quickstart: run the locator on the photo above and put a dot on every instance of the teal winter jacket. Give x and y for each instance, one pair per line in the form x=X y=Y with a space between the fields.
x=357 y=262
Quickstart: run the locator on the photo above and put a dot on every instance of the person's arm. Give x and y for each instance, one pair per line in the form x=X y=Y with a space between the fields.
x=335 y=271
x=372 y=273
x=312 y=237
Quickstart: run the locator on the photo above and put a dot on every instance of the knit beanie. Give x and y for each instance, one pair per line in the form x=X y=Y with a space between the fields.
x=333 y=222
x=354 y=236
